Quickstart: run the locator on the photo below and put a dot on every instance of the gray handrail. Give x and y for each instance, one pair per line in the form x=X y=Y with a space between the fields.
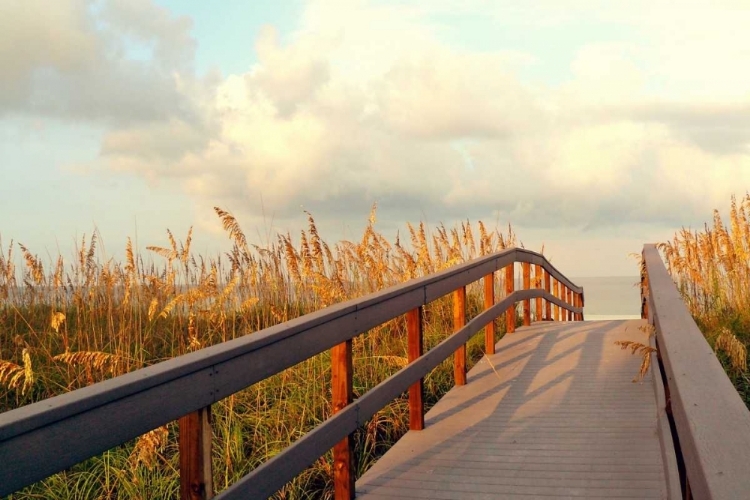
x=46 y=437
x=712 y=422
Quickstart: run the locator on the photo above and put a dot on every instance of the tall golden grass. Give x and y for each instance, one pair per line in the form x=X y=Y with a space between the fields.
x=71 y=323
x=712 y=270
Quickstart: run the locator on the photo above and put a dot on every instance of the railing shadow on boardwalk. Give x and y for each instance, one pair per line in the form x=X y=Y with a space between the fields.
x=496 y=413
x=544 y=346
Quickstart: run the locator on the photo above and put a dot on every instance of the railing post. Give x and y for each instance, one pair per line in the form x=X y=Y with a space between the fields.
x=196 y=478
x=510 y=314
x=489 y=301
x=566 y=312
x=558 y=294
x=414 y=328
x=572 y=301
x=578 y=304
x=538 y=284
x=343 y=451
x=547 y=303
x=581 y=302
x=555 y=307
x=459 y=320
x=526 y=286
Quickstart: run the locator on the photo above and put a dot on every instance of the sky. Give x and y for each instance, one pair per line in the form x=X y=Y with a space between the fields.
x=592 y=130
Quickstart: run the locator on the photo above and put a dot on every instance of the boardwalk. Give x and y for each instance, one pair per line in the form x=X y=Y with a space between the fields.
x=553 y=414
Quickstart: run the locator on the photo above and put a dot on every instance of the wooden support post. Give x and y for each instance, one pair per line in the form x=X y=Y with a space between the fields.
x=581 y=302
x=343 y=451
x=510 y=314
x=554 y=306
x=459 y=320
x=414 y=328
x=566 y=298
x=578 y=304
x=538 y=284
x=526 y=286
x=547 y=303
x=489 y=301
x=196 y=478
x=571 y=301
x=558 y=309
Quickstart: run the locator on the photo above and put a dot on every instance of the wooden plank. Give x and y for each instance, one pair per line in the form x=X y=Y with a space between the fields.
x=415 y=333
x=526 y=267
x=196 y=478
x=459 y=320
x=489 y=301
x=520 y=428
x=510 y=315
x=343 y=452
x=712 y=422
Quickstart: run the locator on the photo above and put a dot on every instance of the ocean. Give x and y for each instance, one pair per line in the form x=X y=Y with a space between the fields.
x=614 y=297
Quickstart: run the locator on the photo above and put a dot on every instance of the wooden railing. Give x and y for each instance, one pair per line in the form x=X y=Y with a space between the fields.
x=43 y=438
x=711 y=423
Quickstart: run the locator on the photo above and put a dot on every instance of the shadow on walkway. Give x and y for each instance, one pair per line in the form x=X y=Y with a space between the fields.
x=552 y=413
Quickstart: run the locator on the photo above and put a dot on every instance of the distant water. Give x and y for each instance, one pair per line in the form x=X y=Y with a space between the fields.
x=613 y=297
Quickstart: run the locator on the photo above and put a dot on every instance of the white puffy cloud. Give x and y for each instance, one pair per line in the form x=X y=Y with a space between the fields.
x=367 y=103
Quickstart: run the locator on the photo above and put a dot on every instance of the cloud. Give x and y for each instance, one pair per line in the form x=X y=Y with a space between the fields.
x=330 y=122
x=368 y=103
x=74 y=59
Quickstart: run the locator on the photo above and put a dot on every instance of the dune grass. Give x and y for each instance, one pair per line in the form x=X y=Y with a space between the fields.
x=712 y=270
x=67 y=324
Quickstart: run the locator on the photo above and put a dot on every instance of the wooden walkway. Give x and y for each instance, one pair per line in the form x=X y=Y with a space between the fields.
x=553 y=413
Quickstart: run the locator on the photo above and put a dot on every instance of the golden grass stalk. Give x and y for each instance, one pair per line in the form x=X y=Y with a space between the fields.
x=645 y=352
x=14 y=376
x=92 y=361
x=149 y=447
x=736 y=350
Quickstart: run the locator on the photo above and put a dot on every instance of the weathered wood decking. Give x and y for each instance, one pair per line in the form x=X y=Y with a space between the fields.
x=553 y=413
